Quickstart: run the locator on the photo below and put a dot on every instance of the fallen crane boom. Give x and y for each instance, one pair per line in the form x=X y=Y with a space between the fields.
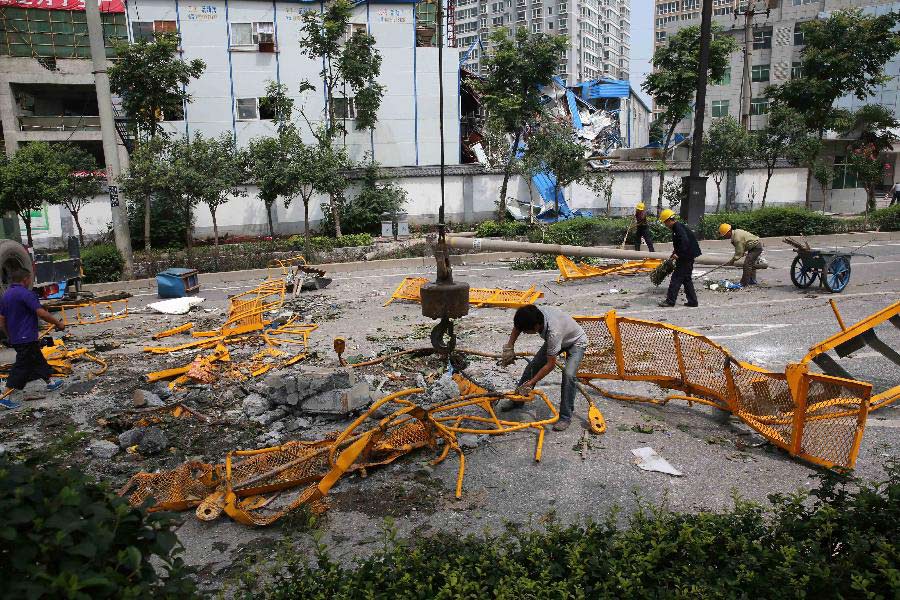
x=467 y=243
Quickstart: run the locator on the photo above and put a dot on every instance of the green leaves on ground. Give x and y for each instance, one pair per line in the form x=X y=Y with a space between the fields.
x=65 y=536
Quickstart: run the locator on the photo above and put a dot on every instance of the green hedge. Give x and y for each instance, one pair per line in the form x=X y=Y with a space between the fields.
x=887 y=219
x=580 y=231
x=489 y=228
x=101 y=263
x=64 y=536
x=840 y=541
x=777 y=222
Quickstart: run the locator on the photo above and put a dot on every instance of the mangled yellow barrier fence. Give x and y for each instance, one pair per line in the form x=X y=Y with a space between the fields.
x=816 y=417
x=246 y=323
x=61 y=359
x=569 y=270
x=248 y=485
x=409 y=290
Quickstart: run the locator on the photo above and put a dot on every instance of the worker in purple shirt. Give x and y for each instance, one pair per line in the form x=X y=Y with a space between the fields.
x=19 y=313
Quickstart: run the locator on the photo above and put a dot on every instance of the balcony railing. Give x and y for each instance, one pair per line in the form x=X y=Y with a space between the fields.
x=67 y=123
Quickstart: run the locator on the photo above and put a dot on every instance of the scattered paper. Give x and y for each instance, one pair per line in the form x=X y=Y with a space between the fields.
x=649 y=460
x=176 y=306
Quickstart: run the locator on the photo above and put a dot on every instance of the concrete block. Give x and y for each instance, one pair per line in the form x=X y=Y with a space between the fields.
x=254 y=405
x=131 y=437
x=339 y=402
x=153 y=441
x=103 y=449
x=144 y=398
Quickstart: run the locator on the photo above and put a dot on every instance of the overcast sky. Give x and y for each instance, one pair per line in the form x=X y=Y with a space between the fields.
x=641 y=43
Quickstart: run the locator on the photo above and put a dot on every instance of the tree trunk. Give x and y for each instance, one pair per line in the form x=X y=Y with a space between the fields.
x=212 y=213
x=769 y=174
x=189 y=236
x=662 y=173
x=306 y=253
x=78 y=227
x=808 y=182
x=556 y=198
x=718 y=194
x=269 y=218
x=507 y=171
x=26 y=218
x=336 y=213
x=147 y=223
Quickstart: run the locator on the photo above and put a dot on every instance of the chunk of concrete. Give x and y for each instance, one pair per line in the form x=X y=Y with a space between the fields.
x=311 y=381
x=254 y=405
x=339 y=402
x=103 y=449
x=131 y=437
x=153 y=441
x=144 y=398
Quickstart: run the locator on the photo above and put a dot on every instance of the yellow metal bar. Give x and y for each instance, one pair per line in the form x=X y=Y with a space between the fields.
x=854 y=330
x=837 y=315
x=173 y=331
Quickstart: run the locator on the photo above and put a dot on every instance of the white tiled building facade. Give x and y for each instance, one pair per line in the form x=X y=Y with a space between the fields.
x=599 y=32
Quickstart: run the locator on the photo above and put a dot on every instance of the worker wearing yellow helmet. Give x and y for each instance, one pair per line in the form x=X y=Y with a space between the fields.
x=643 y=229
x=684 y=250
x=745 y=243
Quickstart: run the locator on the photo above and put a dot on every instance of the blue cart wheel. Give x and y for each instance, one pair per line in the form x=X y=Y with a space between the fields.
x=837 y=274
x=801 y=275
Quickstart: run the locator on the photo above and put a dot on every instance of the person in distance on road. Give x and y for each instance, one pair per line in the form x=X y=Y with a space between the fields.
x=643 y=229
x=684 y=250
x=561 y=333
x=745 y=243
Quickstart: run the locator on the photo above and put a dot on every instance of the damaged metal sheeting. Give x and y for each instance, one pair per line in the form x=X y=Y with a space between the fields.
x=569 y=270
x=410 y=289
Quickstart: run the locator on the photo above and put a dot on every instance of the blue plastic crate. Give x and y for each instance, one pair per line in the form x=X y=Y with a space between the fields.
x=177 y=283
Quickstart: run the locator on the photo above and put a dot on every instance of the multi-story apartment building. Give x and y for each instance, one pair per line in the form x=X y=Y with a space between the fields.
x=599 y=32
x=777 y=40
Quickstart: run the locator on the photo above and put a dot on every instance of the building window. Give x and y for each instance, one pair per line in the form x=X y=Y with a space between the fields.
x=550 y=25
x=247 y=109
x=759 y=106
x=798 y=34
x=535 y=28
x=520 y=15
x=796 y=70
x=563 y=7
x=719 y=108
x=762 y=39
x=844 y=177
x=147 y=30
x=549 y=10
x=725 y=79
x=759 y=73
x=802 y=2
x=247 y=35
x=535 y=13
x=497 y=21
x=660 y=36
x=344 y=108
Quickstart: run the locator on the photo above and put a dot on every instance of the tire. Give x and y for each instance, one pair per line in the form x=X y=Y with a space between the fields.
x=12 y=255
x=837 y=274
x=802 y=278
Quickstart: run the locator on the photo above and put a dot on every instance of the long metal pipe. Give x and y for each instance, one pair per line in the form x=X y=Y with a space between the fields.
x=492 y=245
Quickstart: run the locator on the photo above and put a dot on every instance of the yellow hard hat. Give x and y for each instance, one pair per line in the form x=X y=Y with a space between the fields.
x=723 y=229
x=666 y=215
x=640 y=206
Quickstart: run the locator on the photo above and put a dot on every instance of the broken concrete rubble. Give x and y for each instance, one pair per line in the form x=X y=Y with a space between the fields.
x=103 y=449
x=143 y=399
x=153 y=441
x=130 y=438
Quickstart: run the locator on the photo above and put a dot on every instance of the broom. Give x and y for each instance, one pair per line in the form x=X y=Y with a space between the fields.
x=659 y=274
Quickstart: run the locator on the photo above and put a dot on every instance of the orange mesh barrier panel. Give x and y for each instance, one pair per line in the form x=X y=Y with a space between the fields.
x=409 y=289
x=816 y=417
x=568 y=269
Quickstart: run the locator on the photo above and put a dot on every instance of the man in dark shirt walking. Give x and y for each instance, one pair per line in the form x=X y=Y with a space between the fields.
x=19 y=312
x=684 y=250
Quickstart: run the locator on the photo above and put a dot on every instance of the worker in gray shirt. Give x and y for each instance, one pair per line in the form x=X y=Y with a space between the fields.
x=561 y=333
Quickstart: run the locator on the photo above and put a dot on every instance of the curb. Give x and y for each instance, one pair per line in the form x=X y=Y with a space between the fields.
x=329 y=268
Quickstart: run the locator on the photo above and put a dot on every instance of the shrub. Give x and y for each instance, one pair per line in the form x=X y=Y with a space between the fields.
x=64 y=536
x=321 y=242
x=362 y=214
x=834 y=543
x=507 y=228
x=167 y=223
x=101 y=263
x=887 y=219
x=772 y=222
x=595 y=231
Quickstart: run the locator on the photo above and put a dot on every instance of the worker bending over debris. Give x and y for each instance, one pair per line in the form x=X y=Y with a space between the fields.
x=684 y=250
x=561 y=333
x=745 y=243
x=643 y=229
x=19 y=312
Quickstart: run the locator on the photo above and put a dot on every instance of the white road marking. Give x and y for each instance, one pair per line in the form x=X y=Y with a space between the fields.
x=756 y=329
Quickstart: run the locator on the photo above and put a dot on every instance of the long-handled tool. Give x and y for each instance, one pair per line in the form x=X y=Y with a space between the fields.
x=625 y=239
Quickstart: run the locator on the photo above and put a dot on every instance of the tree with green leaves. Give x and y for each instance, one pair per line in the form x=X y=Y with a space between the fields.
x=151 y=79
x=333 y=164
x=34 y=175
x=350 y=68
x=188 y=181
x=600 y=182
x=873 y=125
x=673 y=81
x=226 y=172
x=727 y=147
x=268 y=158
x=515 y=69
x=784 y=135
x=844 y=54
x=146 y=186
x=555 y=146
x=83 y=182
